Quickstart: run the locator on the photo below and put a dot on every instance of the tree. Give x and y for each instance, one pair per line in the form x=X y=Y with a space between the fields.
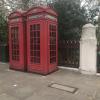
x=16 y=4
x=3 y=22
x=21 y=4
x=71 y=18
x=92 y=8
x=3 y=9
x=3 y=29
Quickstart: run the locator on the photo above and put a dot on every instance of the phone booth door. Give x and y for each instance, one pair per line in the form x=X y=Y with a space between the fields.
x=34 y=46
x=52 y=45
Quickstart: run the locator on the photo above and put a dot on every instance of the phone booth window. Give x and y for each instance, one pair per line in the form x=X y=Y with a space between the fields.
x=15 y=43
x=52 y=29
x=35 y=43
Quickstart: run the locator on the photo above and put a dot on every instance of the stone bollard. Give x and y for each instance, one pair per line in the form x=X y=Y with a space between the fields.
x=88 y=50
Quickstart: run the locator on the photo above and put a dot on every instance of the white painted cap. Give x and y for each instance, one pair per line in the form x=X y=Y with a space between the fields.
x=89 y=25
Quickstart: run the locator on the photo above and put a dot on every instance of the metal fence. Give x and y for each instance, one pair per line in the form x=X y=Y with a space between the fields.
x=4 y=53
x=98 y=57
x=69 y=53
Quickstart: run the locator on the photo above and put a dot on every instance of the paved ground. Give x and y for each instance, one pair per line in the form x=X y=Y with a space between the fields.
x=26 y=86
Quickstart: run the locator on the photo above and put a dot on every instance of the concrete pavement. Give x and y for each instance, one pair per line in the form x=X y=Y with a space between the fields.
x=16 y=85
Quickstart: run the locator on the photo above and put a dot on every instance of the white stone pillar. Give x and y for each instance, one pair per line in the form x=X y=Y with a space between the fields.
x=88 y=50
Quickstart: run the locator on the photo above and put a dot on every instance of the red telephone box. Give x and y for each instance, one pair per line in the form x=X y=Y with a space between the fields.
x=41 y=40
x=17 y=43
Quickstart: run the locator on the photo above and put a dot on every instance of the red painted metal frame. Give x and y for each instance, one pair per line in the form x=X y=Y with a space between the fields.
x=44 y=67
x=14 y=64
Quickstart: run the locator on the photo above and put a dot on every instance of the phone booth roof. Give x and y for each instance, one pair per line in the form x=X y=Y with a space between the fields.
x=15 y=14
x=41 y=9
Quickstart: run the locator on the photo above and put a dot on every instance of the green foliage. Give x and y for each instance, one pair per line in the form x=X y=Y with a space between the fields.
x=25 y=4
x=98 y=30
x=97 y=22
x=71 y=18
x=92 y=14
x=3 y=29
